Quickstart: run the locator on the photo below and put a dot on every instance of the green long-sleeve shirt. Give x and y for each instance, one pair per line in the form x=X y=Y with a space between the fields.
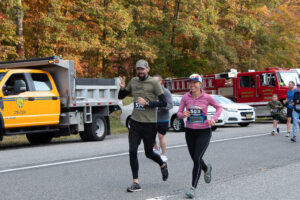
x=276 y=107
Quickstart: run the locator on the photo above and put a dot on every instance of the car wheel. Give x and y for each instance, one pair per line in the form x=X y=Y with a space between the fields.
x=128 y=122
x=177 y=124
x=244 y=124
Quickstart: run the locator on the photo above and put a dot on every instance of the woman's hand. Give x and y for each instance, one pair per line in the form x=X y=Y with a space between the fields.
x=211 y=122
x=186 y=114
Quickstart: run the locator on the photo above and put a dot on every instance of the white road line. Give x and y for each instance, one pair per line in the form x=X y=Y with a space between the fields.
x=115 y=155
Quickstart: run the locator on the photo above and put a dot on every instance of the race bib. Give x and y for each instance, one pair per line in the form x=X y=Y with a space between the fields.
x=297 y=106
x=275 y=110
x=197 y=115
x=138 y=106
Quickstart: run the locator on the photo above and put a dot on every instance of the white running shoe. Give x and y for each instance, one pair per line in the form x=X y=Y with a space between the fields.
x=287 y=134
x=156 y=151
x=164 y=158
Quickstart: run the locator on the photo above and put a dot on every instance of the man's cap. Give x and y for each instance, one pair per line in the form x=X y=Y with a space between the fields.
x=142 y=64
x=195 y=77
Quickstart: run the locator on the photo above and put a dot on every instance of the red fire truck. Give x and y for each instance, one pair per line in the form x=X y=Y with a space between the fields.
x=254 y=88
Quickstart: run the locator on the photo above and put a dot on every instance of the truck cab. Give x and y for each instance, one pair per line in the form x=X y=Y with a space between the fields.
x=28 y=98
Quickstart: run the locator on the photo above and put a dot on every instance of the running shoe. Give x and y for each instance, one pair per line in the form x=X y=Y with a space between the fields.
x=157 y=151
x=164 y=158
x=190 y=193
x=273 y=133
x=293 y=139
x=278 y=130
x=287 y=134
x=207 y=174
x=135 y=187
x=164 y=172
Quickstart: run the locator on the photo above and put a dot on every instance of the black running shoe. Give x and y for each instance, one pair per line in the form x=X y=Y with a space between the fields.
x=164 y=172
x=135 y=187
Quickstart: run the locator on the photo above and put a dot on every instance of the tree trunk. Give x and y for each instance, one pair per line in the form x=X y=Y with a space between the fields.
x=19 y=29
x=104 y=33
x=176 y=16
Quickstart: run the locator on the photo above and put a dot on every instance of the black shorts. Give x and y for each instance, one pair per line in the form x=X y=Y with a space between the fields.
x=139 y=131
x=276 y=117
x=162 y=127
x=289 y=112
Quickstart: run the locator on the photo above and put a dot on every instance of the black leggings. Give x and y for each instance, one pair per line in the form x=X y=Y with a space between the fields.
x=197 y=141
x=142 y=131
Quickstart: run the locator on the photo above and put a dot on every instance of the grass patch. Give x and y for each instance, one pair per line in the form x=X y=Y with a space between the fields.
x=115 y=124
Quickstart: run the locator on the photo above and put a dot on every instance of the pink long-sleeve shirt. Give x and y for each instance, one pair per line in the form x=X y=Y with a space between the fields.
x=203 y=101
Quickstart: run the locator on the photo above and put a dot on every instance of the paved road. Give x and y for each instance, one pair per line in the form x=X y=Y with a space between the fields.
x=248 y=163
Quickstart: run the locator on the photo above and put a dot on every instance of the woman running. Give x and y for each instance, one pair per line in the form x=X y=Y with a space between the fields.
x=193 y=106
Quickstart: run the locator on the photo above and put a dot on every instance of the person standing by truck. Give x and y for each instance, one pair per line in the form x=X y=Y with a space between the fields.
x=296 y=112
x=147 y=96
x=275 y=107
x=193 y=106
x=288 y=102
x=163 y=120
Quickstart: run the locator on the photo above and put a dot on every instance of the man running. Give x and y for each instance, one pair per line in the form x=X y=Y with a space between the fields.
x=147 y=95
x=163 y=120
x=288 y=102
x=296 y=112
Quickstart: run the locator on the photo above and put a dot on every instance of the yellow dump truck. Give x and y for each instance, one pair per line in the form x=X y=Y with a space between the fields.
x=42 y=98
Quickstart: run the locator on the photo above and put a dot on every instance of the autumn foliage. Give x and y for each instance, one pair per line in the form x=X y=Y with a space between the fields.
x=177 y=37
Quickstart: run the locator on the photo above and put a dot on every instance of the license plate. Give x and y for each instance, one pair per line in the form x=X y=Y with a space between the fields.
x=248 y=116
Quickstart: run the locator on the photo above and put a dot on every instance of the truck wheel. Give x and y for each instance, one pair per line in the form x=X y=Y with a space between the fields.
x=177 y=124
x=40 y=138
x=95 y=131
x=244 y=124
x=213 y=128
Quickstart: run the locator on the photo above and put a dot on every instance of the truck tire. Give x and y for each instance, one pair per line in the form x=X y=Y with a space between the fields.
x=177 y=124
x=40 y=138
x=95 y=131
x=244 y=124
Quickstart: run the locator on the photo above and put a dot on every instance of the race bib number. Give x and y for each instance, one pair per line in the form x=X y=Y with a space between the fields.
x=297 y=107
x=138 y=106
x=197 y=115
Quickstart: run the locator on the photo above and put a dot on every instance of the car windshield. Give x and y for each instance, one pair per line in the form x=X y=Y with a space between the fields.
x=222 y=100
x=285 y=77
x=2 y=74
x=176 y=100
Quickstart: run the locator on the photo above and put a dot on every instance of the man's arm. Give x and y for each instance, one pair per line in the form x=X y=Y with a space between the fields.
x=123 y=93
x=169 y=100
x=162 y=102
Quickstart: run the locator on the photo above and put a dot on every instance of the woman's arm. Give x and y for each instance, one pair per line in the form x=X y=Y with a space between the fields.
x=180 y=112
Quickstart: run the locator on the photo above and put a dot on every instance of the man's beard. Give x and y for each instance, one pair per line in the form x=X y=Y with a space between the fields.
x=143 y=77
